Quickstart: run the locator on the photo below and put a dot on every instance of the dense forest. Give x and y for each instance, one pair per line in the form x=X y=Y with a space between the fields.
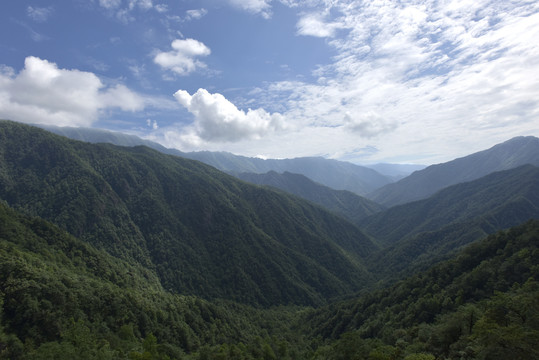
x=126 y=253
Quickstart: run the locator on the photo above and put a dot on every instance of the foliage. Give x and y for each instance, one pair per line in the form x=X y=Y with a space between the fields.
x=478 y=305
x=61 y=298
x=353 y=207
x=418 y=234
x=137 y=235
x=205 y=233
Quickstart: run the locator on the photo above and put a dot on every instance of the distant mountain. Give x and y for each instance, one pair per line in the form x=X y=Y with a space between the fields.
x=345 y=203
x=421 y=184
x=338 y=175
x=396 y=171
x=104 y=136
x=204 y=232
x=422 y=231
x=335 y=174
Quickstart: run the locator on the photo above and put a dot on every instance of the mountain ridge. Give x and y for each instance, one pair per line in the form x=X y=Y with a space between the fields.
x=336 y=174
x=197 y=226
x=348 y=204
x=432 y=228
x=422 y=183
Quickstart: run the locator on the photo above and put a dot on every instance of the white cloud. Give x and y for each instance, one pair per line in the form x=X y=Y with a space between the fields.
x=125 y=10
x=110 y=4
x=195 y=14
x=368 y=125
x=429 y=77
x=43 y=93
x=217 y=119
x=161 y=8
x=314 y=24
x=261 y=7
x=39 y=14
x=182 y=59
x=152 y=124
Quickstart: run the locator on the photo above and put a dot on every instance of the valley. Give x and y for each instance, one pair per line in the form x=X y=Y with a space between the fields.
x=133 y=251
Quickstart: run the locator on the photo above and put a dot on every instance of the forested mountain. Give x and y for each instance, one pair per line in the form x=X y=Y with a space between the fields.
x=482 y=304
x=111 y=252
x=421 y=184
x=105 y=136
x=345 y=203
x=60 y=298
x=63 y=299
x=502 y=198
x=420 y=232
x=204 y=232
x=335 y=174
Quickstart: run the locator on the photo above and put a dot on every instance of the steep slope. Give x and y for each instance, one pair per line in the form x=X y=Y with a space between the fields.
x=338 y=175
x=63 y=299
x=418 y=233
x=204 y=232
x=481 y=304
x=421 y=184
x=345 y=203
x=499 y=193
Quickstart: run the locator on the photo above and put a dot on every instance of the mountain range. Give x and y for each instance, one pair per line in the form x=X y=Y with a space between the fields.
x=335 y=174
x=423 y=183
x=204 y=232
x=346 y=203
x=423 y=230
x=126 y=252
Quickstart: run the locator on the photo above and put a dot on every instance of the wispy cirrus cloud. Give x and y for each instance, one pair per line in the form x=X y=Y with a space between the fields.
x=124 y=10
x=39 y=14
x=258 y=7
x=417 y=75
x=195 y=14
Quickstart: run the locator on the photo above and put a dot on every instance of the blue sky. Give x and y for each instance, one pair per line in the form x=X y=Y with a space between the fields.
x=363 y=81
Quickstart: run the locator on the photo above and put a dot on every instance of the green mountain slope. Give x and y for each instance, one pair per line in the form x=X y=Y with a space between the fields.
x=482 y=304
x=204 y=232
x=351 y=206
x=420 y=233
x=502 y=199
x=421 y=184
x=60 y=298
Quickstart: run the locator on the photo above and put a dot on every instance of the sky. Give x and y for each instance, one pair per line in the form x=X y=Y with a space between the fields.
x=395 y=81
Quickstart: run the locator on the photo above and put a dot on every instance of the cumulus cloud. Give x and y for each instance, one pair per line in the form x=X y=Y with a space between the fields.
x=182 y=58
x=261 y=7
x=43 y=93
x=217 y=119
x=39 y=14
